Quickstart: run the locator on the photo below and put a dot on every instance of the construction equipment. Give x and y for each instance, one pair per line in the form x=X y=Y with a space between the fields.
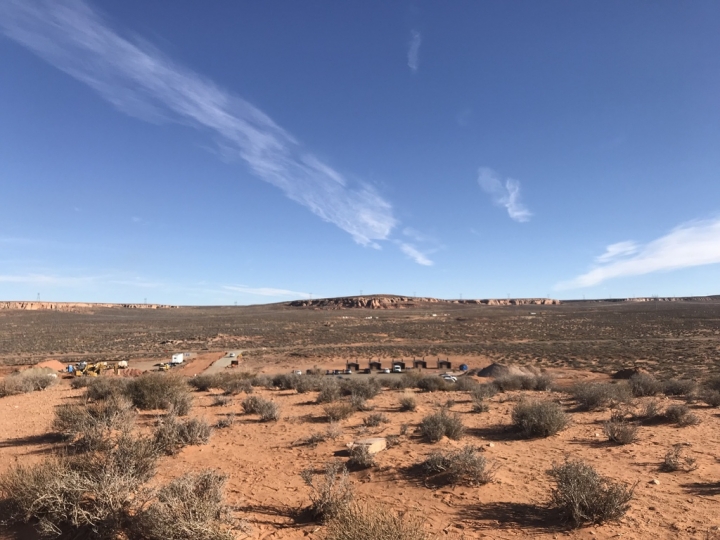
x=83 y=369
x=163 y=366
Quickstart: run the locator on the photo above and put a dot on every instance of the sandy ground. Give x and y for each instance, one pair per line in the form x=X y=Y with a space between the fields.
x=264 y=461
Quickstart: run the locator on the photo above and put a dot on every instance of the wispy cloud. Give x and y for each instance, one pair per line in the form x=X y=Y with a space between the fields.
x=413 y=54
x=614 y=251
x=265 y=291
x=691 y=244
x=45 y=279
x=415 y=254
x=505 y=194
x=140 y=81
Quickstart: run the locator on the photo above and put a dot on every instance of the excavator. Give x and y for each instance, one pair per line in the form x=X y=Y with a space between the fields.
x=83 y=369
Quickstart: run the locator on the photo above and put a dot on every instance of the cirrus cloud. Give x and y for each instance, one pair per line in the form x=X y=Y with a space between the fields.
x=506 y=194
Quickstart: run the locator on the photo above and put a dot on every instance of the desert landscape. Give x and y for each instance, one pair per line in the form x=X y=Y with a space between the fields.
x=586 y=419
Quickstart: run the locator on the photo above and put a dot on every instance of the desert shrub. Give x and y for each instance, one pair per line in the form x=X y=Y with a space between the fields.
x=432 y=383
x=160 y=391
x=269 y=411
x=366 y=523
x=711 y=397
x=375 y=420
x=434 y=426
x=538 y=418
x=479 y=406
x=80 y=382
x=221 y=401
x=251 y=404
x=338 y=411
x=93 y=423
x=592 y=396
x=359 y=403
x=172 y=434
x=204 y=382
x=393 y=383
x=712 y=383
x=308 y=383
x=644 y=384
x=678 y=387
x=366 y=388
x=652 y=411
x=329 y=391
x=509 y=383
x=235 y=385
x=408 y=403
x=620 y=431
x=409 y=379
x=28 y=380
x=264 y=381
x=227 y=421
x=466 y=466
x=191 y=506
x=543 y=382
x=331 y=496
x=583 y=496
x=333 y=431
x=676 y=460
x=88 y=496
x=100 y=388
x=285 y=381
x=681 y=415
x=483 y=391
x=361 y=457
x=465 y=384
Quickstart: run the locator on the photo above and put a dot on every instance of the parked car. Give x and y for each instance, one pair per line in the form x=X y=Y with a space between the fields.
x=449 y=378
x=386 y=370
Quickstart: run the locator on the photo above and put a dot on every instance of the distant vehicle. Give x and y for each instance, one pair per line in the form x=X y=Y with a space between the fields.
x=449 y=378
x=231 y=355
x=297 y=372
x=386 y=370
x=397 y=369
x=178 y=358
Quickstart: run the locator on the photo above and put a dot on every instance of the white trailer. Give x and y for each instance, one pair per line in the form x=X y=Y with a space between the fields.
x=178 y=358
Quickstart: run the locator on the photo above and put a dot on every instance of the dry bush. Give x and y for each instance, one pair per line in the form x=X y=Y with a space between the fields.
x=88 y=496
x=465 y=383
x=711 y=398
x=93 y=423
x=538 y=418
x=333 y=431
x=483 y=391
x=308 y=383
x=675 y=460
x=235 y=385
x=434 y=426
x=191 y=506
x=712 y=383
x=593 y=396
x=264 y=381
x=433 y=383
x=644 y=384
x=332 y=495
x=204 y=382
x=466 y=466
x=252 y=404
x=366 y=388
x=681 y=415
x=100 y=388
x=172 y=434
x=338 y=411
x=285 y=381
x=620 y=431
x=652 y=411
x=269 y=411
x=226 y=422
x=583 y=496
x=361 y=457
x=221 y=401
x=408 y=403
x=678 y=387
x=479 y=406
x=80 y=382
x=359 y=403
x=364 y=523
x=374 y=420
x=28 y=380
x=160 y=391
x=523 y=382
x=329 y=391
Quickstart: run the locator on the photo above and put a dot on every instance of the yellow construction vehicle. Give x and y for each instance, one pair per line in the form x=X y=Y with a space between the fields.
x=90 y=370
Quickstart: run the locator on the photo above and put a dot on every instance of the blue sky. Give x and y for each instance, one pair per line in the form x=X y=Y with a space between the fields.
x=258 y=152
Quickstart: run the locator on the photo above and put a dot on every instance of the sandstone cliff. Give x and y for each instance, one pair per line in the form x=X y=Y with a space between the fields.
x=399 y=302
x=74 y=306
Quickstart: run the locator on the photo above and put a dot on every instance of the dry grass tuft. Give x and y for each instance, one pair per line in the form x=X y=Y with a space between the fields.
x=441 y=424
x=367 y=523
x=466 y=466
x=539 y=418
x=675 y=460
x=332 y=495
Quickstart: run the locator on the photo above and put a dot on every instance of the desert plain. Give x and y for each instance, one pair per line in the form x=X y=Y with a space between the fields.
x=568 y=345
